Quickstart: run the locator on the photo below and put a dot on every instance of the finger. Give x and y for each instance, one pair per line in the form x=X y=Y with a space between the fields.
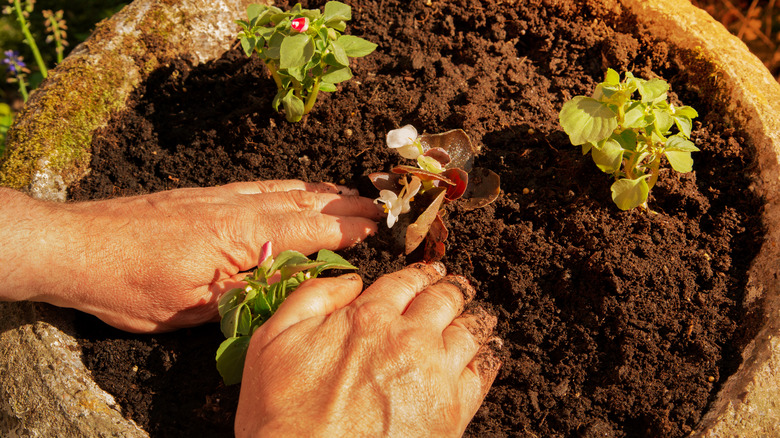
x=328 y=203
x=399 y=288
x=477 y=378
x=271 y=186
x=440 y=303
x=317 y=297
x=309 y=232
x=466 y=335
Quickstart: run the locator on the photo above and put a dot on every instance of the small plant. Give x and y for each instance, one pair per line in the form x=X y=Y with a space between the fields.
x=303 y=50
x=244 y=310
x=628 y=137
x=443 y=174
x=55 y=28
x=22 y=12
x=18 y=71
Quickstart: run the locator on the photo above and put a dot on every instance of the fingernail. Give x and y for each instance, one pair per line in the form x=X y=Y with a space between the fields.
x=438 y=267
x=351 y=276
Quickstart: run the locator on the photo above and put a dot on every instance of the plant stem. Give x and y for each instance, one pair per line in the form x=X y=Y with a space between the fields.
x=312 y=97
x=29 y=38
x=22 y=87
x=275 y=75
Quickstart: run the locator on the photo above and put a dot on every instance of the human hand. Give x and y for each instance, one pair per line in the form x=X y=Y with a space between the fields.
x=159 y=262
x=398 y=360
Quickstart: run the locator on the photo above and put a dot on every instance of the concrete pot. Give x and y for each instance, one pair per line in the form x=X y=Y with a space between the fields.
x=45 y=389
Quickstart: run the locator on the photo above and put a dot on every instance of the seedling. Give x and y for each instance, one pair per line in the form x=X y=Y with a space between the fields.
x=304 y=51
x=244 y=310
x=627 y=137
x=443 y=174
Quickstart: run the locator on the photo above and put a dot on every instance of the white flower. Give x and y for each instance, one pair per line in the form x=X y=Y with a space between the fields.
x=405 y=140
x=397 y=204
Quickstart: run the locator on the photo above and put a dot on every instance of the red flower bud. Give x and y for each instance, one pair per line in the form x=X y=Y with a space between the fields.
x=300 y=24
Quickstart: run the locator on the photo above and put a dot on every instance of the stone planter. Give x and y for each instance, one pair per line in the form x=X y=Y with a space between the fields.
x=45 y=388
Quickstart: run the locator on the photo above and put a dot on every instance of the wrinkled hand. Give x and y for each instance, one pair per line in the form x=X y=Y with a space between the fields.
x=398 y=360
x=159 y=262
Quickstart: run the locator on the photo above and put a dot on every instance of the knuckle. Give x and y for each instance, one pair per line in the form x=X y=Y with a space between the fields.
x=371 y=314
x=303 y=200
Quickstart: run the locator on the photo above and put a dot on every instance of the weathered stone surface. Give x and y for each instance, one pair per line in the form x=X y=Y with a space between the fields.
x=44 y=388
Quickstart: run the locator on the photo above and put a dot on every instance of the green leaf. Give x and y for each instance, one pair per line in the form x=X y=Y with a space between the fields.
x=608 y=156
x=684 y=124
x=635 y=117
x=263 y=306
x=336 y=11
x=626 y=139
x=586 y=119
x=230 y=357
x=327 y=87
x=630 y=193
x=232 y=319
x=663 y=122
x=678 y=152
x=295 y=51
x=288 y=271
x=278 y=99
x=293 y=107
x=274 y=45
x=229 y=300
x=244 y=321
x=288 y=257
x=653 y=90
x=612 y=77
x=586 y=147
x=299 y=73
x=331 y=260
x=254 y=10
x=248 y=44
x=680 y=161
x=339 y=54
x=356 y=47
x=685 y=111
x=677 y=143
x=336 y=75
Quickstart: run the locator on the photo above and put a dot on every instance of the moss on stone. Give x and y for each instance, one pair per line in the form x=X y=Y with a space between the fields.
x=79 y=97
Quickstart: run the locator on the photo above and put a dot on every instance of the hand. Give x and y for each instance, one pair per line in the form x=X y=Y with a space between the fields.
x=159 y=262
x=398 y=360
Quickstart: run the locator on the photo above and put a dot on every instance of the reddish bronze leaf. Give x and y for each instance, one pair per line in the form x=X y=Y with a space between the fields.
x=416 y=232
x=434 y=241
x=483 y=188
x=424 y=175
x=439 y=155
x=386 y=181
x=456 y=143
x=460 y=179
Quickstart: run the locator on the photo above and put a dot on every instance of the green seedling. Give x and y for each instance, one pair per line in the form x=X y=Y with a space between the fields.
x=304 y=51
x=244 y=310
x=628 y=137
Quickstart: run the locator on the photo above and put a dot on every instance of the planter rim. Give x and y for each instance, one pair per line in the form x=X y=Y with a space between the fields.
x=126 y=48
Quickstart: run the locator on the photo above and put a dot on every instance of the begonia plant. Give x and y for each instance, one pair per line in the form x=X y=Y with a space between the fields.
x=304 y=50
x=443 y=173
x=629 y=137
x=245 y=309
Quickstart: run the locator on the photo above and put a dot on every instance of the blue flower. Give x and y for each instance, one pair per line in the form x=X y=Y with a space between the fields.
x=13 y=61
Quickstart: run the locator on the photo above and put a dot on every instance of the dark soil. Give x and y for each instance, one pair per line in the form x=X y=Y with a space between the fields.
x=617 y=324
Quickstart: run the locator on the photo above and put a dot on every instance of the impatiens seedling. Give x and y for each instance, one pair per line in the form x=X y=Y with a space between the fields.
x=628 y=137
x=303 y=49
x=444 y=165
x=244 y=310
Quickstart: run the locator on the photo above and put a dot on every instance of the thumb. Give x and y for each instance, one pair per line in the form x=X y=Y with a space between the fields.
x=316 y=297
